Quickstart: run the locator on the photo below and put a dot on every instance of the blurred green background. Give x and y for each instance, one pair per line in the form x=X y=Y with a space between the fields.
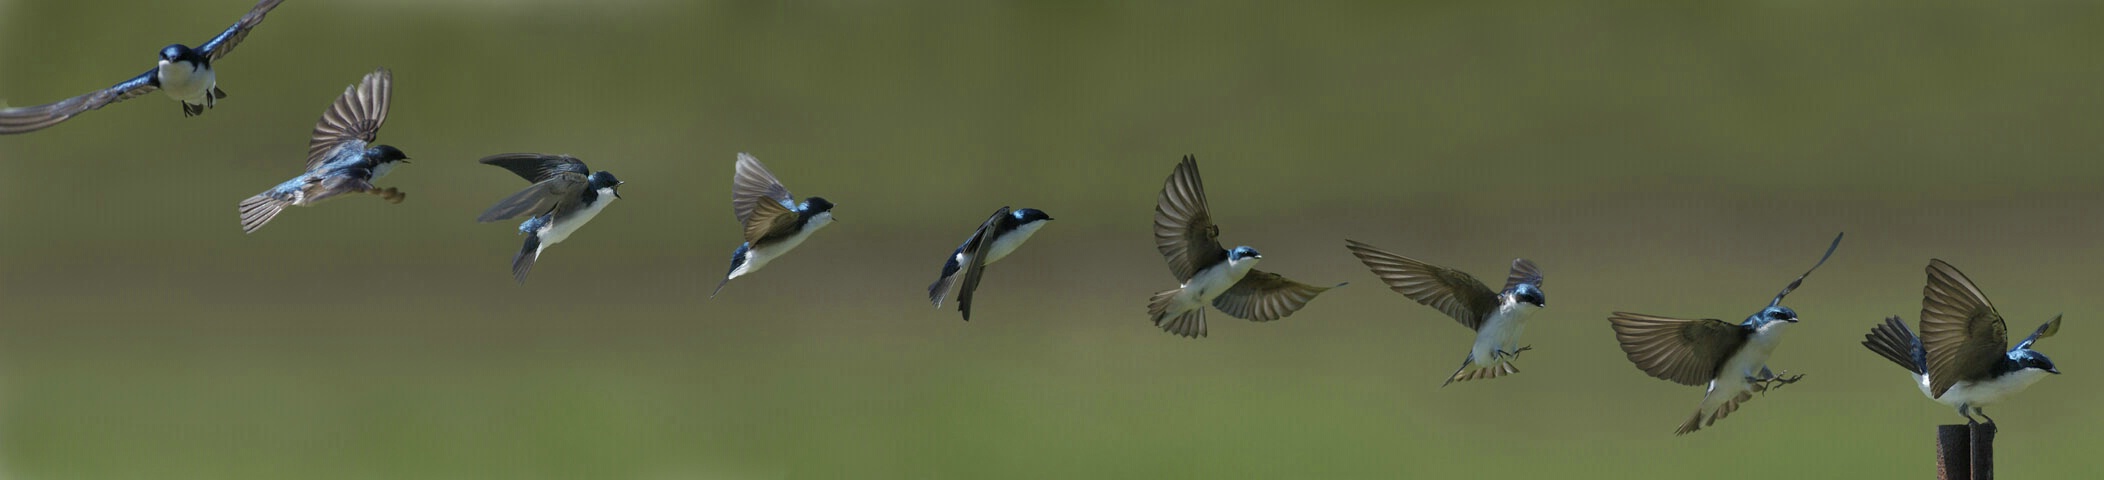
x=1655 y=157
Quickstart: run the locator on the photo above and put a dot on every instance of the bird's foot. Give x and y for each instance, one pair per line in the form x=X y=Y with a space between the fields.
x=390 y=194
x=1515 y=354
x=1773 y=382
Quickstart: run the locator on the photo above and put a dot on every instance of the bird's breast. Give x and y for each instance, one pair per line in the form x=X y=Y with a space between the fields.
x=186 y=82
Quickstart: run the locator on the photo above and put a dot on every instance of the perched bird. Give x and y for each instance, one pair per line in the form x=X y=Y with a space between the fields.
x=1228 y=279
x=1960 y=359
x=564 y=196
x=341 y=157
x=998 y=236
x=1731 y=359
x=1496 y=316
x=184 y=74
x=774 y=223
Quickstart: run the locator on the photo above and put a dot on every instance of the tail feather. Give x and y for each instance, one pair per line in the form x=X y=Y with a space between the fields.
x=1464 y=374
x=1895 y=342
x=523 y=263
x=1188 y=323
x=1722 y=410
x=940 y=289
x=258 y=210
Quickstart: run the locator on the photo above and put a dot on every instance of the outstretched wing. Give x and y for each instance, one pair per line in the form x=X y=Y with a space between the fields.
x=354 y=120
x=753 y=185
x=30 y=119
x=985 y=246
x=1808 y=272
x=2052 y=327
x=219 y=46
x=769 y=219
x=1688 y=352
x=1523 y=271
x=555 y=178
x=1451 y=291
x=1264 y=296
x=1183 y=224
x=1964 y=335
x=538 y=167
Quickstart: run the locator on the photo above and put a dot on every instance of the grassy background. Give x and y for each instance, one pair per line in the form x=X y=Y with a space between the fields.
x=1652 y=156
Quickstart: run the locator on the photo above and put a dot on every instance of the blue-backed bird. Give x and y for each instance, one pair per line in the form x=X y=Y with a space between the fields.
x=564 y=196
x=773 y=222
x=998 y=236
x=184 y=74
x=1208 y=273
x=341 y=155
x=1497 y=317
x=1962 y=358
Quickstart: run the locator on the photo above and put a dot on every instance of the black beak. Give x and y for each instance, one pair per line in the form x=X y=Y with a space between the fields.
x=2055 y=371
x=1793 y=320
x=617 y=189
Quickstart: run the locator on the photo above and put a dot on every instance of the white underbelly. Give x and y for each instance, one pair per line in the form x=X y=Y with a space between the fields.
x=759 y=256
x=557 y=231
x=185 y=84
x=1500 y=332
x=1209 y=283
x=1008 y=243
x=1982 y=394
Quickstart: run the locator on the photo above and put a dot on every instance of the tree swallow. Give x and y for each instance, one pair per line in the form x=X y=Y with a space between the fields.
x=341 y=157
x=564 y=196
x=185 y=74
x=1497 y=317
x=774 y=223
x=998 y=236
x=1185 y=234
x=1731 y=359
x=1960 y=360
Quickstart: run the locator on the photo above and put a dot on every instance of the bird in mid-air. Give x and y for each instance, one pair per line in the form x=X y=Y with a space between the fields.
x=184 y=74
x=564 y=195
x=1962 y=358
x=998 y=236
x=341 y=157
x=773 y=222
x=1731 y=359
x=1496 y=316
x=1227 y=279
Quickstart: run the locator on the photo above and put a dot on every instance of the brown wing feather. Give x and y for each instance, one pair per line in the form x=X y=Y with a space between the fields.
x=30 y=119
x=219 y=46
x=753 y=185
x=1451 y=291
x=536 y=199
x=1961 y=331
x=356 y=116
x=1687 y=352
x=1523 y=271
x=1263 y=296
x=1183 y=223
x=767 y=219
x=973 y=271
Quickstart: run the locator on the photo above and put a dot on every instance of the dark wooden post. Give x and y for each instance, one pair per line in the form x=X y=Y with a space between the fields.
x=1983 y=451
x=1953 y=452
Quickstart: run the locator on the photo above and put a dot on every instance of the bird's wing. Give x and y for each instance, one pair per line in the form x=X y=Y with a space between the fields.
x=1688 y=352
x=538 y=167
x=30 y=119
x=219 y=46
x=2051 y=328
x=1808 y=272
x=1183 y=224
x=1264 y=296
x=354 y=120
x=1523 y=271
x=768 y=219
x=971 y=272
x=540 y=198
x=1961 y=331
x=1451 y=291
x=754 y=185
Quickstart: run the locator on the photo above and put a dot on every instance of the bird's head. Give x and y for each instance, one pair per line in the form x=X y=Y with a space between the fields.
x=1243 y=253
x=385 y=154
x=1777 y=313
x=1528 y=293
x=179 y=53
x=2027 y=358
x=1030 y=215
x=816 y=205
x=605 y=181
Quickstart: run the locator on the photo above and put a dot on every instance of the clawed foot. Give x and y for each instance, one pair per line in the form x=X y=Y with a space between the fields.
x=390 y=194
x=1763 y=385
x=1515 y=354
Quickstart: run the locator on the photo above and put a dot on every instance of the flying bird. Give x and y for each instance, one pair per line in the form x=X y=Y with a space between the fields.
x=341 y=157
x=1962 y=358
x=564 y=196
x=998 y=236
x=1496 y=316
x=1731 y=359
x=1210 y=274
x=773 y=222
x=184 y=74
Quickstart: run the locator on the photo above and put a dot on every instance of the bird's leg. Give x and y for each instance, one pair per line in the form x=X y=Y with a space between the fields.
x=1983 y=414
x=1774 y=381
x=1964 y=409
x=1515 y=354
x=390 y=194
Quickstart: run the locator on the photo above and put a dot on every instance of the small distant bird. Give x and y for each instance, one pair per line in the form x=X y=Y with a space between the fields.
x=341 y=157
x=564 y=196
x=184 y=73
x=998 y=236
x=1960 y=359
x=1731 y=359
x=1228 y=279
x=1497 y=317
x=774 y=223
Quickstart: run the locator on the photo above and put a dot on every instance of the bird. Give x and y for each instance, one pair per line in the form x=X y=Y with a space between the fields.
x=184 y=74
x=773 y=222
x=341 y=155
x=564 y=196
x=1961 y=359
x=997 y=237
x=1731 y=359
x=1209 y=274
x=1496 y=316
